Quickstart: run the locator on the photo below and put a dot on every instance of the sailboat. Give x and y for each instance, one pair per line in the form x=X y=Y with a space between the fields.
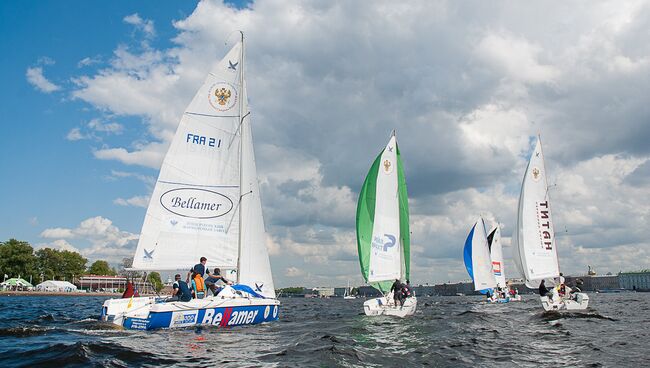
x=206 y=202
x=498 y=267
x=535 y=251
x=476 y=256
x=348 y=292
x=383 y=237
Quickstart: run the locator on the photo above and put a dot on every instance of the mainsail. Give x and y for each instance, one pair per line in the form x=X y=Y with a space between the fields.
x=535 y=254
x=476 y=256
x=496 y=254
x=206 y=200
x=383 y=237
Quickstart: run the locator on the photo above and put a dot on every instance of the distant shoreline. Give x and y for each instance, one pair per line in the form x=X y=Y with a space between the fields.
x=56 y=293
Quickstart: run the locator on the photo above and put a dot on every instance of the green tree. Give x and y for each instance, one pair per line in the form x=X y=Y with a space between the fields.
x=17 y=259
x=73 y=264
x=48 y=264
x=156 y=281
x=53 y=264
x=101 y=268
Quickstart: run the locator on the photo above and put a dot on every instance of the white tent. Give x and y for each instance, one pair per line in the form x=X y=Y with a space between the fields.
x=52 y=285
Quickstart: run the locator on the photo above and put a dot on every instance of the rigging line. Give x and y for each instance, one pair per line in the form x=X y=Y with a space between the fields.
x=241 y=122
x=210 y=115
x=236 y=209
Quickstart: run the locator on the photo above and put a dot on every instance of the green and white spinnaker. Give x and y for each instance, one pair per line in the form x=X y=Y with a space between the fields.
x=383 y=237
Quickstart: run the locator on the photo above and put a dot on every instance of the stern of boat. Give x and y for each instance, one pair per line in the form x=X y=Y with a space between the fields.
x=386 y=306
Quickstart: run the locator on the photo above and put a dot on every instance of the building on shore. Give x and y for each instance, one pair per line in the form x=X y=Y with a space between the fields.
x=639 y=281
x=323 y=292
x=56 y=286
x=112 y=284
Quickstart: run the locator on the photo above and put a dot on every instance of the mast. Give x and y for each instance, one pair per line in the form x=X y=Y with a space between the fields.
x=241 y=150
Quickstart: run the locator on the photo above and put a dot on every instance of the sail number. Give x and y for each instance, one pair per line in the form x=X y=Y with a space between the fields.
x=203 y=140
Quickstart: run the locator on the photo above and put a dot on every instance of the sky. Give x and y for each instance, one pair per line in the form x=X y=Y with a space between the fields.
x=94 y=92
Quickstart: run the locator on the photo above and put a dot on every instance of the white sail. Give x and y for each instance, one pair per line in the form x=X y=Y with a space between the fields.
x=386 y=254
x=206 y=202
x=534 y=239
x=477 y=257
x=496 y=254
x=254 y=265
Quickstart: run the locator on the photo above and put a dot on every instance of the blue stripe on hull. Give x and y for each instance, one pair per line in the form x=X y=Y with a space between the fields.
x=217 y=317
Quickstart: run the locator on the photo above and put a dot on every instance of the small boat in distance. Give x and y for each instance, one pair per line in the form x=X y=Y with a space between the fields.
x=348 y=292
x=383 y=237
x=206 y=202
x=535 y=249
x=498 y=266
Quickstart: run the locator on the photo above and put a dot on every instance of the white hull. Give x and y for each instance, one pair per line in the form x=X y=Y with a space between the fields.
x=515 y=298
x=579 y=302
x=349 y=297
x=386 y=306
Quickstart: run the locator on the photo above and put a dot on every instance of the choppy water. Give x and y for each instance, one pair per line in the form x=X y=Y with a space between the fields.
x=446 y=331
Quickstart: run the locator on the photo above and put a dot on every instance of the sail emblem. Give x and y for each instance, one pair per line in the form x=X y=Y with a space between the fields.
x=148 y=255
x=388 y=167
x=232 y=66
x=536 y=173
x=223 y=96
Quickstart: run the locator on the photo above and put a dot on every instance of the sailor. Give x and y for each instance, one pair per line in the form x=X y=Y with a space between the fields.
x=199 y=268
x=180 y=290
x=406 y=290
x=397 y=292
x=543 y=291
x=198 y=286
x=211 y=281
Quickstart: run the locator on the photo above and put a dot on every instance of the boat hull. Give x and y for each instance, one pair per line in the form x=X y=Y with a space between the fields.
x=580 y=301
x=385 y=306
x=153 y=313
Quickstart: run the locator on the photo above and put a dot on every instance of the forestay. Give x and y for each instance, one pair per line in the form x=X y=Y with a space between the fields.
x=534 y=239
x=476 y=256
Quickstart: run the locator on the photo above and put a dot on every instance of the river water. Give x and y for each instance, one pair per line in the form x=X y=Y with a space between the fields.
x=445 y=331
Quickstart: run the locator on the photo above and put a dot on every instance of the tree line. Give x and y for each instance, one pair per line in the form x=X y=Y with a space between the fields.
x=18 y=258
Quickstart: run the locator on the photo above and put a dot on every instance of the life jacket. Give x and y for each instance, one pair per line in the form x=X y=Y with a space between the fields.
x=199 y=286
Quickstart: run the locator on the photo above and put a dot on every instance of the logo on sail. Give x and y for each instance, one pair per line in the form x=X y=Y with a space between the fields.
x=196 y=203
x=536 y=173
x=387 y=166
x=385 y=242
x=222 y=96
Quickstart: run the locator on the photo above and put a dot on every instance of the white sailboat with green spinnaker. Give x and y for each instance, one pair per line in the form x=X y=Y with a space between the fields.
x=383 y=237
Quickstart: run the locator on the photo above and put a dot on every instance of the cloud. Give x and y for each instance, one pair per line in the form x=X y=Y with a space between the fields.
x=36 y=78
x=103 y=239
x=75 y=135
x=60 y=244
x=137 y=201
x=144 y=25
x=466 y=86
x=87 y=61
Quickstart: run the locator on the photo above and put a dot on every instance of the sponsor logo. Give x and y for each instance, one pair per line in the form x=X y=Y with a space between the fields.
x=222 y=96
x=388 y=166
x=275 y=312
x=496 y=267
x=196 y=203
x=544 y=224
x=536 y=173
x=232 y=66
x=180 y=319
x=385 y=242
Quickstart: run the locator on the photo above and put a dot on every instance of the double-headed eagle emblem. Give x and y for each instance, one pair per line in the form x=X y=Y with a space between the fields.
x=387 y=165
x=222 y=95
x=536 y=173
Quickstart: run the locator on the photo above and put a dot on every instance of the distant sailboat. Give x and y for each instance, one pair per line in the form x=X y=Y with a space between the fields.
x=498 y=266
x=206 y=202
x=476 y=256
x=348 y=292
x=534 y=245
x=383 y=236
